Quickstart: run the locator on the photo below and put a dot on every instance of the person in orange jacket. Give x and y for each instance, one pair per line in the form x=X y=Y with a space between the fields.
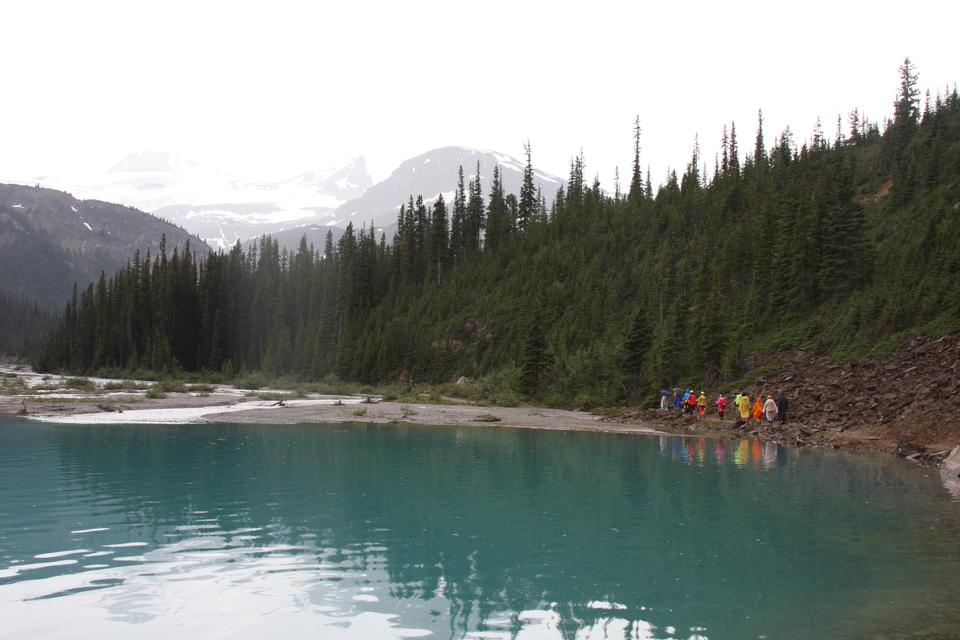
x=758 y=409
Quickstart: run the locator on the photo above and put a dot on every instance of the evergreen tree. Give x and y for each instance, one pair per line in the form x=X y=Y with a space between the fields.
x=636 y=192
x=458 y=219
x=438 y=254
x=637 y=347
x=534 y=363
x=498 y=224
x=527 y=204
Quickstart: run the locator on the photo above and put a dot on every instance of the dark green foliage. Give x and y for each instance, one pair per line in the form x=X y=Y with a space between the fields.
x=603 y=298
x=25 y=325
x=637 y=346
x=534 y=362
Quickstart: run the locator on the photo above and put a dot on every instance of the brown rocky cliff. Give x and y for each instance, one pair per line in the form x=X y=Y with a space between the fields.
x=914 y=391
x=906 y=402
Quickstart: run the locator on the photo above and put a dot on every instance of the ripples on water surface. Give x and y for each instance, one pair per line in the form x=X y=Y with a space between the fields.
x=393 y=532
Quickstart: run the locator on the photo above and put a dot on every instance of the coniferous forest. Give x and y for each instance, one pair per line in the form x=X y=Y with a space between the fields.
x=843 y=243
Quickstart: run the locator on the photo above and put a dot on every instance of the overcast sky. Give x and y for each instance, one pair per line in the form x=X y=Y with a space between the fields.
x=273 y=88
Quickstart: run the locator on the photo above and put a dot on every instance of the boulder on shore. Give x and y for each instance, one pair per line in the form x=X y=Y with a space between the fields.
x=950 y=472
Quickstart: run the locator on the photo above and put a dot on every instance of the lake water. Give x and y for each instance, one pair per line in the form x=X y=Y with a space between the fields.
x=366 y=532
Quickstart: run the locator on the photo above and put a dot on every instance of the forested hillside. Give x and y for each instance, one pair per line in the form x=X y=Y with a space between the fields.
x=839 y=244
x=49 y=240
x=25 y=325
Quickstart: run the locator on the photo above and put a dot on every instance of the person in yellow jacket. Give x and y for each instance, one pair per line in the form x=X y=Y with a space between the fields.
x=702 y=404
x=743 y=408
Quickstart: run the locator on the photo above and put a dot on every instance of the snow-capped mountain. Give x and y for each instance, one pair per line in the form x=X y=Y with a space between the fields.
x=218 y=207
x=222 y=208
x=433 y=173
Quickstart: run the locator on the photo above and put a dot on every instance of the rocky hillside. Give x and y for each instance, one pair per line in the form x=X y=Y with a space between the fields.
x=49 y=240
x=915 y=392
x=908 y=402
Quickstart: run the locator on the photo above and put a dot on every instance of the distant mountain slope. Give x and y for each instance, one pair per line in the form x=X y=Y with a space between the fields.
x=219 y=207
x=316 y=235
x=290 y=238
x=49 y=240
x=432 y=173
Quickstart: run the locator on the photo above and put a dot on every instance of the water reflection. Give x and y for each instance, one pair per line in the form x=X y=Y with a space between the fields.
x=373 y=532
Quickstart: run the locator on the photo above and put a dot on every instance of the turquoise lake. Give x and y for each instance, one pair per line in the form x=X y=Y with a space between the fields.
x=366 y=532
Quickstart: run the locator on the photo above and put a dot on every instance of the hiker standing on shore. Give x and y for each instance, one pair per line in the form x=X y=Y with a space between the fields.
x=702 y=404
x=721 y=406
x=758 y=409
x=782 y=407
x=664 y=400
x=692 y=403
x=770 y=409
x=743 y=406
x=676 y=400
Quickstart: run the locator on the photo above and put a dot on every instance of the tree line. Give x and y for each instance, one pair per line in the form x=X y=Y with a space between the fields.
x=837 y=245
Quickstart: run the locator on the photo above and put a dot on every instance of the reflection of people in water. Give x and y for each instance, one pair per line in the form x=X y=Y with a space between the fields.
x=742 y=453
x=769 y=455
x=756 y=452
x=721 y=451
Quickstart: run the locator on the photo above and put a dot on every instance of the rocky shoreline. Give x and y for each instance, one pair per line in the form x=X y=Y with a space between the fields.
x=906 y=403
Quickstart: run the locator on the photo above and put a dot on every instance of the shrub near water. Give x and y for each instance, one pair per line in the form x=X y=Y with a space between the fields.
x=79 y=384
x=155 y=393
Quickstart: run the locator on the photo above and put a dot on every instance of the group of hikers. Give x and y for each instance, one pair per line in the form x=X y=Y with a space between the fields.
x=687 y=401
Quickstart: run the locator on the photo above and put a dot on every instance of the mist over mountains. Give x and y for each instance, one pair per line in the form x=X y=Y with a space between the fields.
x=222 y=208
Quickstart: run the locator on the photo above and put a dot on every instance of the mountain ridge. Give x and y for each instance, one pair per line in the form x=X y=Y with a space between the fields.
x=50 y=240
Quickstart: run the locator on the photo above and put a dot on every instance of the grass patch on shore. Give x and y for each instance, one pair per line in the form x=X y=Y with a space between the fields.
x=11 y=386
x=80 y=384
x=496 y=389
x=123 y=385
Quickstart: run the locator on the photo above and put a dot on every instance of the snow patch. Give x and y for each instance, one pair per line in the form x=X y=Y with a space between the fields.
x=87 y=225
x=18 y=206
x=74 y=209
x=345 y=184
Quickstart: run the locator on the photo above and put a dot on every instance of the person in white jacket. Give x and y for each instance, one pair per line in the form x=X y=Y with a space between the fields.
x=770 y=409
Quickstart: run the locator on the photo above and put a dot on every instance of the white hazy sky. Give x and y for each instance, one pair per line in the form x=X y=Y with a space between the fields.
x=273 y=88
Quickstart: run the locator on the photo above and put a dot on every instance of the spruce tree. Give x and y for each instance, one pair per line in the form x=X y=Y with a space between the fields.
x=636 y=192
x=527 y=204
x=534 y=362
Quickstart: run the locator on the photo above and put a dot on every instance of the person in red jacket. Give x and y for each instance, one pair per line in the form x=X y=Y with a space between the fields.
x=692 y=403
x=721 y=406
